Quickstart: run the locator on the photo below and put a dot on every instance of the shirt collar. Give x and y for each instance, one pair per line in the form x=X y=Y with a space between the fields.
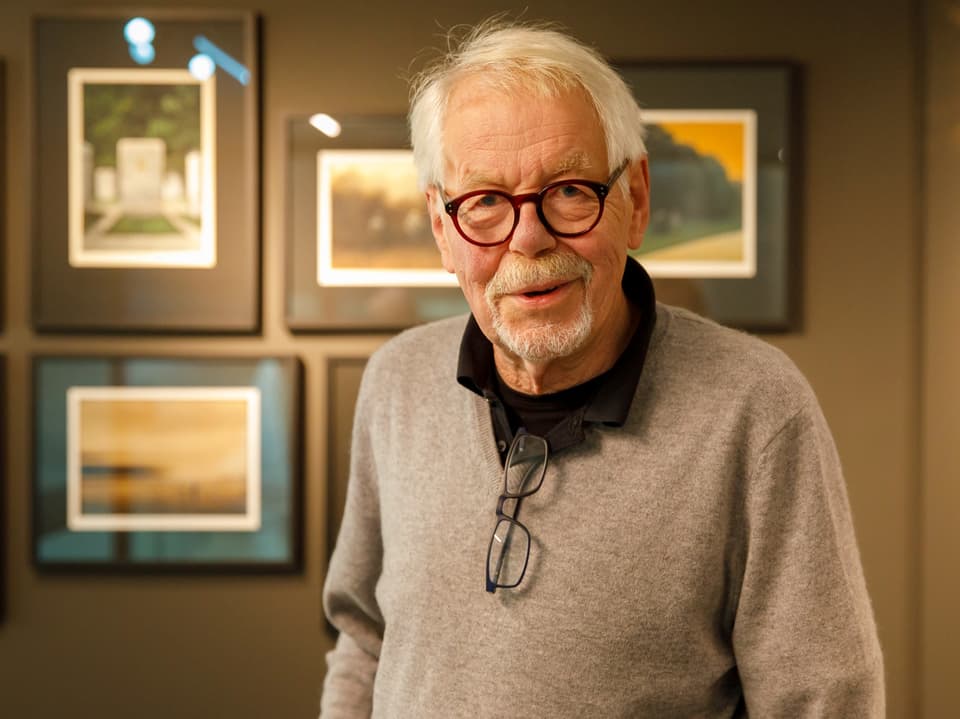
x=611 y=403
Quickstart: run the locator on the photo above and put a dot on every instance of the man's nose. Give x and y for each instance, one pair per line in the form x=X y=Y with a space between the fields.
x=530 y=236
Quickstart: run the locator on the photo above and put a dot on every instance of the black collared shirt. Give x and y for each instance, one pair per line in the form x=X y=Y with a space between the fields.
x=604 y=399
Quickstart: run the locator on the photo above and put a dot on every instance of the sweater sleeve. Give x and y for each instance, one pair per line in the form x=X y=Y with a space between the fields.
x=804 y=635
x=349 y=591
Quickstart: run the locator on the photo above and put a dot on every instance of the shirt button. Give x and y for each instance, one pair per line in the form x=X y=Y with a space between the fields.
x=502 y=446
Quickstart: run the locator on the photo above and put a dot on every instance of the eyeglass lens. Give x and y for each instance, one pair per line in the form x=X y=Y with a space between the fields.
x=509 y=551
x=569 y=208
x=525 y=465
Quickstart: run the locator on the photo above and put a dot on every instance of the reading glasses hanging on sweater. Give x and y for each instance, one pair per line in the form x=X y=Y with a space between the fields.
x=509 y=550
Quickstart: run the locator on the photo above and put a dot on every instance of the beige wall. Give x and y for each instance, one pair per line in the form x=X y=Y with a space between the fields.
x=253 y=647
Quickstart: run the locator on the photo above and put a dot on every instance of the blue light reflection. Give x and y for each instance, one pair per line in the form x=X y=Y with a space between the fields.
x=201 y=66
x=139 y=31
x=224 y=61
x=142 y=53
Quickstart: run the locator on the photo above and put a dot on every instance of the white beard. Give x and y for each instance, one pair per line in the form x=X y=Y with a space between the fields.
x=550 y=340
x=546 y=342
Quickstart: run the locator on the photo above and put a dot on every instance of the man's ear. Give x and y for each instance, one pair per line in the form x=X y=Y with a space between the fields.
x=640 y=194
x=435 y=210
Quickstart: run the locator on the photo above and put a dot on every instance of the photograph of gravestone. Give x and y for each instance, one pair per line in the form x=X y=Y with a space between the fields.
x=141 y=168
x=372 y=223
x=703 y=194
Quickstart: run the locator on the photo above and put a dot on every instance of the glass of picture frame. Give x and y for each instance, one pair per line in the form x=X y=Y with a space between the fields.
x=344 y=375
x=343 y=386
x=3 y=490
x=3 y=190
x=167 y=463
x=724 y=143
x=147 y=196
x=360 y=252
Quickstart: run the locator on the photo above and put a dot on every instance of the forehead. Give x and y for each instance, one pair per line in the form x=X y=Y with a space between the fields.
x=493 y=135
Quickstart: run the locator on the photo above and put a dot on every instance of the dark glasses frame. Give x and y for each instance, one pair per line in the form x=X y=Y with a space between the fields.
x=602 y=189
x=509 y=521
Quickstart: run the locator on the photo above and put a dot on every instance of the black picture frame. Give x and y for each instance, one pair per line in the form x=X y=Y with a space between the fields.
x=769 y=301
x=377 y=305
x=4 y=531
x=90 y=276
x=3 y=193
x=343 y=375
x=167 y=464
x=343 y=384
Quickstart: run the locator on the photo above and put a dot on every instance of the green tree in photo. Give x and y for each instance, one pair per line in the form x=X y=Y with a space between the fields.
x=692 y=195
x=168 y=112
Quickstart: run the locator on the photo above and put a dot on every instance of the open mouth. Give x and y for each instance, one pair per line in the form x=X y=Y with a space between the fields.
x=540 y=293
x=542 y=290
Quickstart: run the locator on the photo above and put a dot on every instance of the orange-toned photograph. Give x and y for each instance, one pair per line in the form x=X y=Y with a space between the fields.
x=373 y=226
x=703 y=207
x=163 y=458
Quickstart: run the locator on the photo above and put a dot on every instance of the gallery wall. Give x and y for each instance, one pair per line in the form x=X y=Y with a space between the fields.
x=940 y=542
x=252 y=646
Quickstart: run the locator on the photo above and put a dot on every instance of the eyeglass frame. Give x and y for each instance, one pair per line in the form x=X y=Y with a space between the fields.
x=492 y=586
x=452 y=207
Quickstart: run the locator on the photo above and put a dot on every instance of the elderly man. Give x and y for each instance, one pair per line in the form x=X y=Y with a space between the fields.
x=577 y=502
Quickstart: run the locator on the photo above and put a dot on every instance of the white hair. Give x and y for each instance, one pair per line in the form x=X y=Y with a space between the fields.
x=533 y=59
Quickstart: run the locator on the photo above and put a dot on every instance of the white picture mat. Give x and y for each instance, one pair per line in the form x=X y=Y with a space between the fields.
x=81 y=256
x=77 y=520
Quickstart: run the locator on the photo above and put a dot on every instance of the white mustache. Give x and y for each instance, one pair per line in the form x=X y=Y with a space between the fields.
x=557 y=267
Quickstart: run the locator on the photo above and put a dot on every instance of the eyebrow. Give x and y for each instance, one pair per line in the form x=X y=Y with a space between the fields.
x=574 y=162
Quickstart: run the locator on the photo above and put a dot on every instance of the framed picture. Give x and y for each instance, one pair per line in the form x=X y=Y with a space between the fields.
x=343 y=385
x=146 y=205
x=3 y=489
x=724 y=147
x=167 y=463
x=360 y=252
x=3 y=190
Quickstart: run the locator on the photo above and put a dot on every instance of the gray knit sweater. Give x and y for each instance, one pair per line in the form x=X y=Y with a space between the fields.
x=699 y=561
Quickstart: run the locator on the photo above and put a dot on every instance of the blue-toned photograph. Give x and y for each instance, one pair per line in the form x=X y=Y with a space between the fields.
x=167 y=463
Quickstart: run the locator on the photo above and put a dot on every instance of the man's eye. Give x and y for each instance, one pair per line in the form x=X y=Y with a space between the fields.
x=483 y=203
x=570 y=191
